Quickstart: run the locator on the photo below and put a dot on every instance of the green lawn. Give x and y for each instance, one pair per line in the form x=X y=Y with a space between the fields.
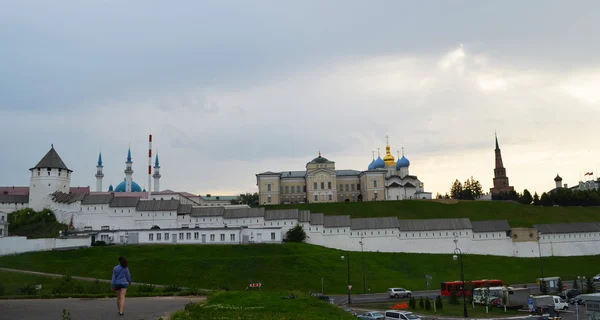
x=518 y=215
x=262 y=306
x=448 y=310
x=291 y=266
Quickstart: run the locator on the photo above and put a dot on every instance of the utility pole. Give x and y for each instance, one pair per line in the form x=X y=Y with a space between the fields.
x=363 y=264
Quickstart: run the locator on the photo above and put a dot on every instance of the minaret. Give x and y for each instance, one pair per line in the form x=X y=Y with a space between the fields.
x=99 y=174
x=156 y=175
x=128 y=172
x=500 y=179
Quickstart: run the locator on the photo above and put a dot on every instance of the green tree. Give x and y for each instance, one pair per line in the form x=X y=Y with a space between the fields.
x=576 y=284
x=453 y=296
x=421 y=303
x=526 y=198
x=456 y=190
x=543 y=287
x=476 y=188
x=559 y=285
x=545 y=200
x=536 y=199
x=427 y=304
x=438 y=303
x=295 y=234
x=589 y=285
x=412 y=303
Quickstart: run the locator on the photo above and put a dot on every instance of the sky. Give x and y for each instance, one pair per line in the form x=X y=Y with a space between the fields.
x=229 y=89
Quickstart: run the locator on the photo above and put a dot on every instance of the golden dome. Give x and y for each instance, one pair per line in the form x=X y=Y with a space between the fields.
x=389 y=158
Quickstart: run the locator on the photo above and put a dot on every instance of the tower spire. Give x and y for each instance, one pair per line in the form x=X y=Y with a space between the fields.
x=403 y=151
x=378 y=154
x=496 y=135
x=373 y=152
x=99 y=174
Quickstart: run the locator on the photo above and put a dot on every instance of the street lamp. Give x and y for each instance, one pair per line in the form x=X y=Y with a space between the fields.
x=363 y=265
x=459 y=256
x=581 y=280
x=541 y=265
x=349 y=298
x=250 y=247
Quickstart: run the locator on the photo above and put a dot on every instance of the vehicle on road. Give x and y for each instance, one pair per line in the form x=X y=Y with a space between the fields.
x=447 y=287
x=372 y=315
x=402 y=315
x=569 y=294
x=512 y=298
x=596 y=278
x=557 y=302
x=399 y=293
x=578 y=300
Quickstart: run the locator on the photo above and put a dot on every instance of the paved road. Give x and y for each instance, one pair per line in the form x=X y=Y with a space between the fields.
x=92 y=309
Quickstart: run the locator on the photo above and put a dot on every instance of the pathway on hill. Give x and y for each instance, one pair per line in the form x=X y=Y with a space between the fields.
x=92 y=309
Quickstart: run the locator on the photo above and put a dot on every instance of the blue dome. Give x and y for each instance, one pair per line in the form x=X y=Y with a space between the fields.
x=402 y=163
x=134 y=187
x=371 y=165
x=110 y=188
x=379 y=163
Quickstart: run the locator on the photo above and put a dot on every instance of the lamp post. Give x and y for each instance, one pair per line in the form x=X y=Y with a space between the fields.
x=363 y=265
x=349 y=298
x=250 y=245
x=459 y=256
x=541 y=264
x=581 y=281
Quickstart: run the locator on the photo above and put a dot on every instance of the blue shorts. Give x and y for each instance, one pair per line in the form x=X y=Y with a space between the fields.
x=120 y=286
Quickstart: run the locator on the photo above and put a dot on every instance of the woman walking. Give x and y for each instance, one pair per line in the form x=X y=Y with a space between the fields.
x=121 y=279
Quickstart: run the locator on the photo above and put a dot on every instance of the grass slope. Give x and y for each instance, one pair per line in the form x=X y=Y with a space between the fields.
x=261 y=306
x=291 y=266
x=518 y=215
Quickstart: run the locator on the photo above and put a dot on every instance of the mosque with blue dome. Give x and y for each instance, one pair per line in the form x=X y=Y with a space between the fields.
x=384 y=179
x=127 y=185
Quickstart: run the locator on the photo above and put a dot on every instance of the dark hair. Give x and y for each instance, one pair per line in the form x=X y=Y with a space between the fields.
x=123 y=262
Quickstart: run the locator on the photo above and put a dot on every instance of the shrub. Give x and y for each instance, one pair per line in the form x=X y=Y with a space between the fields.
x=438 y=303
x=453 y=297
x=28 y=290
x=412 y=304
x=67 y=285
x=66 y=315
x=427 y=304
x=96 y=287
x=1 y=289
x=589 y=285
x=172 y=288
x=421 y=303
x=559 y=285
x=295 y=234
x=146 y=288
x=99 y=243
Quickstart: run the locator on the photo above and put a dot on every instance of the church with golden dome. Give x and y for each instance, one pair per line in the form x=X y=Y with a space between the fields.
x=320 y=182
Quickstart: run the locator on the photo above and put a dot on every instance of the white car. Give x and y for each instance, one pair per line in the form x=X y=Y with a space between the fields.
x=399 y=293
x=400 y=315
x=596 y=278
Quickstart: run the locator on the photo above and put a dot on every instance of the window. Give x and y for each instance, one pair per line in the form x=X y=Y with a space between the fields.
x=232 y=237
x=347 y=187
x=181 y=236
x=158 y=235
x=151 y=236
x=272 y=235
x=316 y=197
x=322 y=185
x=374 y=183
x=293 y=189
x=358 y=187
x=352 y=185
x=196 y=235
x=166 y=236
x=287 y=189
x=341 y=187
x=330 y=197
x=222 y=237
x=375 y=195
x=212 y=237
x=329 y=185
x=315 y=185
x=268 y=187
x=269 y=198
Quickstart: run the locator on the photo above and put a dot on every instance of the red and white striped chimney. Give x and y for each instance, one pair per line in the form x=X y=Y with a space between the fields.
x=149 y=165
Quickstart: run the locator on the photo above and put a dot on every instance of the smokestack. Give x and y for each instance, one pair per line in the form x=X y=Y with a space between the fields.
x=149 y=165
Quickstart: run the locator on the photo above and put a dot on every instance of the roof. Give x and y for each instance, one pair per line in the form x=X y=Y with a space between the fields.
x=490 y=226
x=336 y=221
x=96 y=199
x=207 y=211
x=568 y=227
x=319 y=159
x=124 y=202
x=268 y=173
x=61 y=197
x=14 y=190
x=434 y=224
x=244 y=213
x=51 y=160
x=157 y=205
x=374 y=223
x=184 y=209
x=219 y=198
x=303 y=216
x=316 y=218
x=14 y=198
x=347 y=172
x=281 y=214
x=292 y=174
x=79 y=189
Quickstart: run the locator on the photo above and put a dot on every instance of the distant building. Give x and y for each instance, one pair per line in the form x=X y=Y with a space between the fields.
x=589 y=184
x=500 y=179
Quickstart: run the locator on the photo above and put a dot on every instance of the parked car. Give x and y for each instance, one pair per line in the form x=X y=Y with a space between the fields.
x=372 y=315
x=596 y=278
x=352 y=312
x=399 y=293
x=402 y=315
x=569 y=294
x=577 y=300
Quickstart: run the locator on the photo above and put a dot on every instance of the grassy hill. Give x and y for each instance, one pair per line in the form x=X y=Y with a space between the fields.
x=518 y=215
x=291 y=266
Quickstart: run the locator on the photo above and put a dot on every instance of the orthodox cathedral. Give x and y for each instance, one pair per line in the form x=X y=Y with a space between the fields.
x=384 y=179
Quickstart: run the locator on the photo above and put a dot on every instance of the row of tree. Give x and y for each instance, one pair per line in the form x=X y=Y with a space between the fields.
x=250 y=199
x=469 y=190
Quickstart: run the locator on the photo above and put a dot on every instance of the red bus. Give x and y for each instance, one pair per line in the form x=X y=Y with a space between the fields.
x=447 y=286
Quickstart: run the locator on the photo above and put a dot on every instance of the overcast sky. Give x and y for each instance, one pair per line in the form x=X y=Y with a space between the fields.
x=233 y=88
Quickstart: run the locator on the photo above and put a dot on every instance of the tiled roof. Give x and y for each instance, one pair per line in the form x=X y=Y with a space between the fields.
x=96 y=199
x=157 y=205
x=244 y=213
x=568 y=227
x=124 y=202
x=61 y=197
x=434 y=224
x=316 y=218
x=14 y=190
x=336 y=221
x=490 y=226
x=268 y=173
x=374 y=223
x=303 y=216
x=85 y=190
x=14 y=198
x=184 y=209
x=281 y=214
x=51 y=160
x=207 y=212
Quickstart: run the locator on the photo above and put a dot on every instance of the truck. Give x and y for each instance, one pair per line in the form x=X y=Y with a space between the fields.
x=555 y=301
x=512 y=298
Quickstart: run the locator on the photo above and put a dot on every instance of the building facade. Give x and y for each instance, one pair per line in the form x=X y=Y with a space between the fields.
x=321 y=182
x=501 y=183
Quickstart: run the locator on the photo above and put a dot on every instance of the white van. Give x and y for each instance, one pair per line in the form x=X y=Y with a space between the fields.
x=559 y=303
x=402 y=315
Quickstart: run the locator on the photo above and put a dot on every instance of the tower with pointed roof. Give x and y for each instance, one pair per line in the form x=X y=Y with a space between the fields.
x=48 y=176
x=128 y=171
x=156 y=175
x=501 y=183
x=99 y=174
